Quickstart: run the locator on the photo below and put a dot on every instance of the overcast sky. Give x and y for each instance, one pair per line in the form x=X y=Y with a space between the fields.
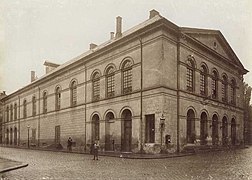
x=58 y=30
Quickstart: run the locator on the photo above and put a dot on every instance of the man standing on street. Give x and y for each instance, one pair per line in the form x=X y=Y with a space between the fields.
x=96 y=147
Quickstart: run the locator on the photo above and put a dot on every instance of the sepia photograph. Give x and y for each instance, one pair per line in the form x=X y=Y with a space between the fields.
x=126 y=90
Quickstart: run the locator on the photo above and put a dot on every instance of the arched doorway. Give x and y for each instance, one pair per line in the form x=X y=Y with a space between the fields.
x=108 y=140
x=233 y=131
x=224 y=131
x=7 y=136
x=203 y=128
x=11 y=136
x=15 y=136
x=191 y=136
x=95 y=128
x=126 y=130
x=215 y=136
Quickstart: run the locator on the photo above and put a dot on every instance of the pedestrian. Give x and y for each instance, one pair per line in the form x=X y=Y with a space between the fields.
x=69 y=144
x=95 y=150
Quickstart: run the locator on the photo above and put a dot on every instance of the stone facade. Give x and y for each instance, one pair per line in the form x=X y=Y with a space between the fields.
x=133 y=93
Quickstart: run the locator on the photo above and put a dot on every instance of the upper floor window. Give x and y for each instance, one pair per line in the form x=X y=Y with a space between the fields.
x=96 y=86
x=7 y=114
x=190 y=76
x=73 y=93
x=110 y=82
x=214 y=84
x=44 y=102
x=11 y=112
x=33 y=106
x=57 y=98
x=127 y=77
x=224 y=88
x=233 y=91
x=203 y=80
x=15 y=111
x=24 y=109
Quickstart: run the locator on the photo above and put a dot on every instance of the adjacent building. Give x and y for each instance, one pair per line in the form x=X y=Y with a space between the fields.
x=155 y=87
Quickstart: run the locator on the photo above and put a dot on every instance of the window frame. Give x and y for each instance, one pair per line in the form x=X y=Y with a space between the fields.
x=190 y=75
x=57 y=98
x=34 y=110
x=73 y=93
x=214 y=84
x=96 y=86
x=25 y=109
x=203 y=80
x=110 y=82
x=127 y=77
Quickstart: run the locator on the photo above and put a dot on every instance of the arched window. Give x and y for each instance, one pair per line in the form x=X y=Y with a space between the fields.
x=15 y=111
x=73 y=93
x=127 y=77
x=7 y=114
x=190 y=76
x=57 y=98
x=110 y=82
x=11 y=112
x=224 y=88
x=96 y=86
x=33 y=106
x=45 y=102
x=233 y=91
x=203 y=80
x=214 y=85
x=24 y=109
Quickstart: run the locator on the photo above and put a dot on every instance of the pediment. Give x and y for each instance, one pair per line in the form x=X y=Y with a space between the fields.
x=215 y=41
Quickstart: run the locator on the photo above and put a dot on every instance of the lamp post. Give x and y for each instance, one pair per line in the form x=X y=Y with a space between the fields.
x=28 y=130
x=162 y=125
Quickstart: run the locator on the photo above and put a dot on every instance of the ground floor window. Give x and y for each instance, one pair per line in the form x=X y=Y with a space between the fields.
x=150 y=128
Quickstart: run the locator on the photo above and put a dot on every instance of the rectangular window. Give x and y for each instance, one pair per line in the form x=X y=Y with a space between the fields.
x=189 y=82
x=150 y=128
x=110 y=86
x=127 y=81
x=96 y=90
x=214 y=89
x=202 y=84
x=57 y=135
x=74 y=102
x=45 y=105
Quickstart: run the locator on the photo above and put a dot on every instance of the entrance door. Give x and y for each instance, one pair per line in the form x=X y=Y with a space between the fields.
x=11 y=136
x=126 y=130
x=224 y=131
x=15 y=136
x=108 y=140
x=191 y=136
x=95 y=128
x=215 y=136
x=57 y=135
x=233 y=132
x=203 y=128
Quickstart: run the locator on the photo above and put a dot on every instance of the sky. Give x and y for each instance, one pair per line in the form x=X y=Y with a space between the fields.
x=33 y=31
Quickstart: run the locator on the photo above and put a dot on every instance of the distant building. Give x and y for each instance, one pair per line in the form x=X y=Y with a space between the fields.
x=2 y=95
x=156 y=86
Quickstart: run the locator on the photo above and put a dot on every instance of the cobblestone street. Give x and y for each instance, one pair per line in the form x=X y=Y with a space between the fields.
x=233 y=164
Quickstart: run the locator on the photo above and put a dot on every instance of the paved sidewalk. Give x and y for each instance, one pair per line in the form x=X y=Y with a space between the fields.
x=9 y=165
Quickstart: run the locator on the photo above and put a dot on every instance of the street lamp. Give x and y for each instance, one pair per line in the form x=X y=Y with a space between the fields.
x=28 y=130
x=162 y=125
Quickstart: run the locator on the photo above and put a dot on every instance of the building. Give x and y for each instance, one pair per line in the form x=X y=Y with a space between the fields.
x=2 y=95
x=155 y=87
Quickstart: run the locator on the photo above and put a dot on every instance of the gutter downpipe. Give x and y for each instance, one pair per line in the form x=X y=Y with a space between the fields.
x=178 y=89
x=39 y=118
x=85 y=116
x=18 y=120
x=141 y=97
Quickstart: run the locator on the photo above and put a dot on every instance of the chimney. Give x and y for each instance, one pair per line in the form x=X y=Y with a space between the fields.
x=92 y=46
x=33 y=76
x=153 y=13
x=118 y=26
x=49 y=66
x=112 y=35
